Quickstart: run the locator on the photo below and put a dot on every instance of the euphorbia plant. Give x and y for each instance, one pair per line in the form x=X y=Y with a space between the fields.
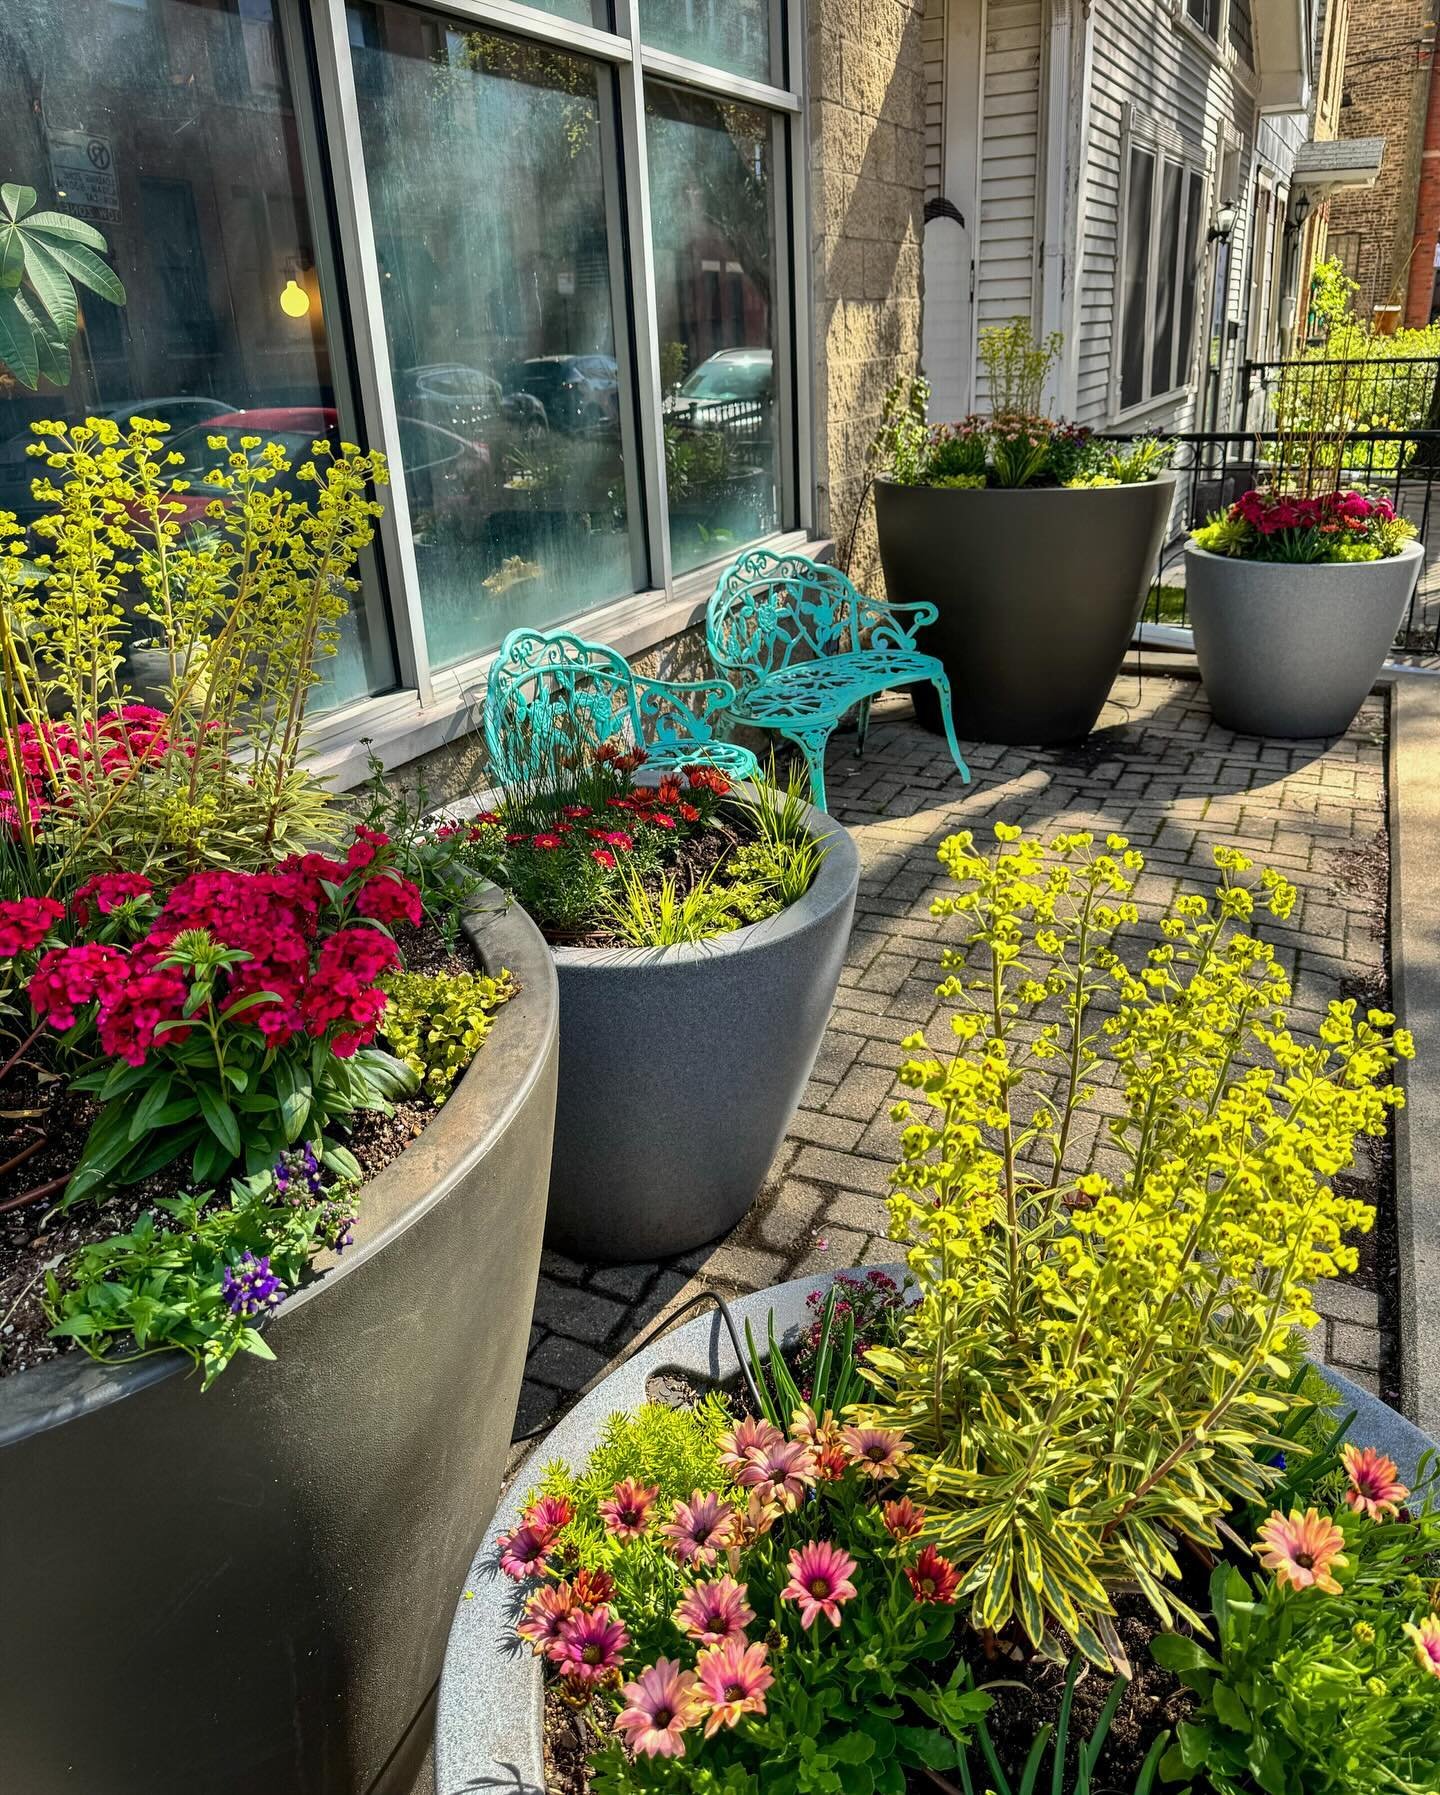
x=1094 y=1373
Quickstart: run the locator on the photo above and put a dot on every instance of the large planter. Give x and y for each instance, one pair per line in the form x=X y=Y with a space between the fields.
x=490 y=1726
x=681 y=1067
x=244 y=1592
x=1290 y=649
x=1039 y=590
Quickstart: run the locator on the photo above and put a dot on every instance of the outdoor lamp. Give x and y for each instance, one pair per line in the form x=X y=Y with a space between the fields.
x=1300 y=211
x=1224 y=223
x=294 y=300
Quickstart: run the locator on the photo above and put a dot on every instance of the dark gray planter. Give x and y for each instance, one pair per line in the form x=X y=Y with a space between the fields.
x=244 y=1592
x=681 y=1067
x=490 y=1726
x=1289 y=649
x=1039 y=589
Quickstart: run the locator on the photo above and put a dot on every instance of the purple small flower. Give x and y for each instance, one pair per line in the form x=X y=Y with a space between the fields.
x=250 y=1288
x=337 y=1226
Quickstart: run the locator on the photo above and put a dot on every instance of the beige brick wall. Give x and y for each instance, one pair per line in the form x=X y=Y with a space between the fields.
x=867 y=190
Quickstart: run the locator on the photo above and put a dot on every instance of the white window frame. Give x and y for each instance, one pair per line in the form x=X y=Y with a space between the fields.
x=1219 y=49
x=1168 y=148
x=431 y=706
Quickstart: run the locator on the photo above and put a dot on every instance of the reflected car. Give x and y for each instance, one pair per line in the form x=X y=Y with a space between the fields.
x=735 y=386
x=461 y=397
x=441 y=467
x=18 y=469
x=579 y=392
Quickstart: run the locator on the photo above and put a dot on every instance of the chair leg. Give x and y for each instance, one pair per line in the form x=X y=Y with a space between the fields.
x=811 y=743
x=862 y=726
x=942 y=687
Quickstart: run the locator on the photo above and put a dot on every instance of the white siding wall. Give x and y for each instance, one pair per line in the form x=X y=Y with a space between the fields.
x=1009 y=163
x=933 y=29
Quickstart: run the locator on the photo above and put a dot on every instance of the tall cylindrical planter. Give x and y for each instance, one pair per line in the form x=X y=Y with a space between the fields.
x=1290 y=649
x=247 y=1590
x=1039 y=590
x=681 y=1067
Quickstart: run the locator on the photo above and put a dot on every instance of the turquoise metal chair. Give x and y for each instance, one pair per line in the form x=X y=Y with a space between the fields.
x=803 y=646
x=553 y=699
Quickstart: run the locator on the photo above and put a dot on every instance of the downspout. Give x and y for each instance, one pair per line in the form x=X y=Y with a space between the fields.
x=1427 y=208
x=1078 y=77
x=1054 y=249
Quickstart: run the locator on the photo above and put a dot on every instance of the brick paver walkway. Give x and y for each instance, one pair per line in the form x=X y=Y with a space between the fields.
x=1158 y=771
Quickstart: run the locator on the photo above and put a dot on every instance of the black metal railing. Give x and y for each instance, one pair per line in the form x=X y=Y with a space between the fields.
x=1215 y=468
x=1363 y=393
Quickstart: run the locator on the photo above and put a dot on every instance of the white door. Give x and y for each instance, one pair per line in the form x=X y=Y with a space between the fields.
x=948 y=336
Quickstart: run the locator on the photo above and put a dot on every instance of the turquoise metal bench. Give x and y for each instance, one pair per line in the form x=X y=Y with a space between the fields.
x=553 y=699
x=803 y=646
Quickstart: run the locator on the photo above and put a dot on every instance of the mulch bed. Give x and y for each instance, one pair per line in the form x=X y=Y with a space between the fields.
x=37 y=1112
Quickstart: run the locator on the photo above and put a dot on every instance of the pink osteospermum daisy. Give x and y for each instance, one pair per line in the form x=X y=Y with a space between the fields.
x=813 y=1431
x=714 y=1611
x=733 y=1678
x=783 y=1474
x=545 y=1613
x=933 y=1579
x=877 y=1452
x=1426 y=1640
x=1302 y=1550
x=1375 y=1487
x=590 y=1647
x=819 y=1581
x=626 y=1513
x=903 y=1520
x=522 y=1553
x=659 y=1705
x=701 y=1528
x=753 y=1435
x=547 y=1516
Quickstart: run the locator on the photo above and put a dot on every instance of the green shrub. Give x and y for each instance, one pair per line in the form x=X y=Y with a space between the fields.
x=436 y=1022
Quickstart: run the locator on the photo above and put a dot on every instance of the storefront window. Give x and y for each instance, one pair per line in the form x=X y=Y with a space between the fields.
x=487 y=166
x=169 y=125
x=714 y=231
x=733 y=35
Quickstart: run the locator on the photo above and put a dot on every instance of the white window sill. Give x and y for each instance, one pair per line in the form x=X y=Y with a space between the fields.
x=1149 y=412
x=397 y=728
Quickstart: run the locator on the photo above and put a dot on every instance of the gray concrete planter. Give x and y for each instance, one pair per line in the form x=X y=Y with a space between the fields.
x=681 y=1067
x=1039 y=589
x=490 y=1726
x=1291 y=649
x=246 y=1590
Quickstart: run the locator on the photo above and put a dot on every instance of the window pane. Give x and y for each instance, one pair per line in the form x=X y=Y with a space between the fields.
x=1162 y=355
x=486 y=160
x=1242 y=31
x=713 y=226
x=1137 y=276
x=1206 y=14
x=728 y=34
x=1189 y=274
x=169 y=125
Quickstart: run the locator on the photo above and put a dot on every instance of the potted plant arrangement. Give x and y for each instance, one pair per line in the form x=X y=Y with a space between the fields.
x=238 y=1137
x=1078 y=1516
x=1037 y=542
x=1296 y=591
x=698 y=930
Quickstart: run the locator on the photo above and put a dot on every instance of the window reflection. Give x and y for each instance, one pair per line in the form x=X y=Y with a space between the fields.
x=728 y=34
x=486 y=160
x=169 y=125
x=713 y=226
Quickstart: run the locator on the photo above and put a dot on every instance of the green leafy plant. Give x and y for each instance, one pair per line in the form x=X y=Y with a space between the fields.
x=43 y=255
x=834 y=1377
x=665 y=916
x=1125 y=464
x=430 y=855
x=1017 y=364
x=199 y=1283
x=436 y=1022
x=1094 y=1370
x=899 y=449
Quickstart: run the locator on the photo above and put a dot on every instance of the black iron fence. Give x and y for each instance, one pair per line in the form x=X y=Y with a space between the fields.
x=1332 y=394
x=1215 y=468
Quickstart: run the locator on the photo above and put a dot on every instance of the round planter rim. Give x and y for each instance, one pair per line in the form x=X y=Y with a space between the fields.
x=477 y=1112
x=1167 y=478
x=830 y=889
x=490 y=1713
x=1408 y=551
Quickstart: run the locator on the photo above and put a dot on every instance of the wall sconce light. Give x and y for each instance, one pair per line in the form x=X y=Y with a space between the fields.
x=1224 y=225
x=1300 y=210
x=294 y=299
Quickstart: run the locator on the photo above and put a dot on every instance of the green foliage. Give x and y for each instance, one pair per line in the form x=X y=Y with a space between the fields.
x=243 y=613
x=1332 y=293
x=1094 y=1369
x=899 y=449
x=1124 y=464
x=1017 y=365
x=43 y=255
x=1310 y=1693
x=431 y=856
x=665 y=916
x=834 y=1379
x=159 y=1287
x=436 y=1022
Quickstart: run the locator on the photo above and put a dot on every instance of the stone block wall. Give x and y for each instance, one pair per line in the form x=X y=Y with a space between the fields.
x=1387 y=76
x=867 y=195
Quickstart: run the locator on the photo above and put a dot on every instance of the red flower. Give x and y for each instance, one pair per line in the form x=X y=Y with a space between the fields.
x=707 y=779
x=343 y=991
x=548 y=842
x=661 y=817
x=129 y=1018
x=485 y=819
x=109 y=891
x=366 y=845
x=390 y=899
x=933 y=1578
x=688 y=813
x=576 y=811
x=603 y=857
x=24 y=924
x=513 y=839
x=68 y=978
x=593 y=1589
x=668 y=790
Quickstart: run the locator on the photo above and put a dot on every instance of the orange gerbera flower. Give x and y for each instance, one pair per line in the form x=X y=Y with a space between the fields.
x=1375 y=1486
x=1303 y=1549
